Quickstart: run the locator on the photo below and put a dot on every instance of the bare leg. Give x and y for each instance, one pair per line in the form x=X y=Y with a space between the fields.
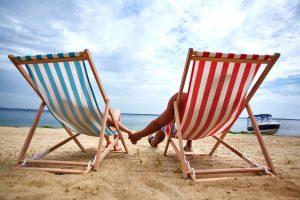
x=117 y=116
x=107 y=140
x=158 y=138
x=165 y=118
x=188 y=146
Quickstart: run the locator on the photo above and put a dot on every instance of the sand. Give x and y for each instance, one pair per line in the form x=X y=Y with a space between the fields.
x=145 y=173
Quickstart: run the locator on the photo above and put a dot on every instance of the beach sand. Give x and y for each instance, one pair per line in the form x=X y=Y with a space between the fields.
x=145 y=173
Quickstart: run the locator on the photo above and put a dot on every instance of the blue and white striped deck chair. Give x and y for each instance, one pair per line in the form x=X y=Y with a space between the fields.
x=62 y=82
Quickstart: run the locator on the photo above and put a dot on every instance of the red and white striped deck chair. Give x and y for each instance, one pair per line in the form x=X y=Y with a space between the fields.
x=220 y=87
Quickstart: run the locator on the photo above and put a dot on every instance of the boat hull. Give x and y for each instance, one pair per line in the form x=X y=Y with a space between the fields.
x=268 y=129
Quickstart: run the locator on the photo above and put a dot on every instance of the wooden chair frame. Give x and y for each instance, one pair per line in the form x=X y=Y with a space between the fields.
x=187 y=170
x=101 y=152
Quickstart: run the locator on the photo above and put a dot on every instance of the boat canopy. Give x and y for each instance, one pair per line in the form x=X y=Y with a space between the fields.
x=261 y=118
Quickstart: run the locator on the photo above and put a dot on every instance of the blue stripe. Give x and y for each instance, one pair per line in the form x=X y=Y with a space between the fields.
x=58 y=97
x=67 y=95
x=31 y=74
x=85 y=92
x=74 y=88
x=107 y=130
x=49 y=108
x=49 y=56
x=39 y=57
x=86 y=89
x=40 y=77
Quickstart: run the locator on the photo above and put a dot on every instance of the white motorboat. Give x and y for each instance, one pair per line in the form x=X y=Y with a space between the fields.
x=265 y=123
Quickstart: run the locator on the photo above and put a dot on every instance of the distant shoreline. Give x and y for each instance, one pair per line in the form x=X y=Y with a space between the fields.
x=125 y=113
x=34 y=110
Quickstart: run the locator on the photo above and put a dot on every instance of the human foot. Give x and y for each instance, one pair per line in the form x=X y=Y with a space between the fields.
x=107 y=144
x=188 y=148
x=150 y=140
x=117 y=147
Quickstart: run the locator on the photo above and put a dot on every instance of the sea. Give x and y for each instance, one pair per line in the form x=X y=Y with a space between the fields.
x=24 y=118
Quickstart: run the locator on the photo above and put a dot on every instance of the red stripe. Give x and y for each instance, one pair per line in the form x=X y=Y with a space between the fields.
x=229 y=92
x=194 y=94
x=241 y=108
x=238 y=97
x=207 y=89
x=241 y=87
x=227 y=98
x=218 y=55
x=206 y=54
x=229 y=89
x=255 y=57
x=256 y=69
x=192 y=73
x=216 y=98
x=189 y=89
x=243 y=56
x=237 y=102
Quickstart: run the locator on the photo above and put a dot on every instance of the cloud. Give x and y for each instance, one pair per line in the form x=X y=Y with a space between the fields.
x=139 y=47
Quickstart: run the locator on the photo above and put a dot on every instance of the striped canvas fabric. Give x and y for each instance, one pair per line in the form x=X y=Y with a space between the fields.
x=216 y=94
x=66 y=89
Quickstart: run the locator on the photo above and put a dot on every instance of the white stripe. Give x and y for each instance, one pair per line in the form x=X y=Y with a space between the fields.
x=43 y=93
x=249 y=57
x=234 y=92
x=212 y=54
x=199 y=98
x=192 y=90
x=71 y=118
x=200 y=53
x=51 y=92
x=222 y=97
x=81 y=95
x=210 y=99
x=49 y=87
x=225 y=55
x=237 y=55
x=93 y=100
x=245 y=89
x=72 y=97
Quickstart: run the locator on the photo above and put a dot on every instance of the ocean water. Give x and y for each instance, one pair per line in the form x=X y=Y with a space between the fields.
x=23 y=117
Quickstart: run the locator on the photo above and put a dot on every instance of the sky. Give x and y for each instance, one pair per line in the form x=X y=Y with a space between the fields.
x=139 y=47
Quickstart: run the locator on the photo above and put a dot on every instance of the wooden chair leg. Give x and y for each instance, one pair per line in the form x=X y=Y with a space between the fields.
x=123 y=142
x=167 y=145
x=75 y=139
x=217 y=144
x=181 y=150
x=31 y=132
x=101 y=138
x=260 y=139
x=43 y=154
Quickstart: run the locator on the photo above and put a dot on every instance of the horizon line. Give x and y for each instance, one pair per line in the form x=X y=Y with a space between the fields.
x=33 y=109
x=127 y=113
